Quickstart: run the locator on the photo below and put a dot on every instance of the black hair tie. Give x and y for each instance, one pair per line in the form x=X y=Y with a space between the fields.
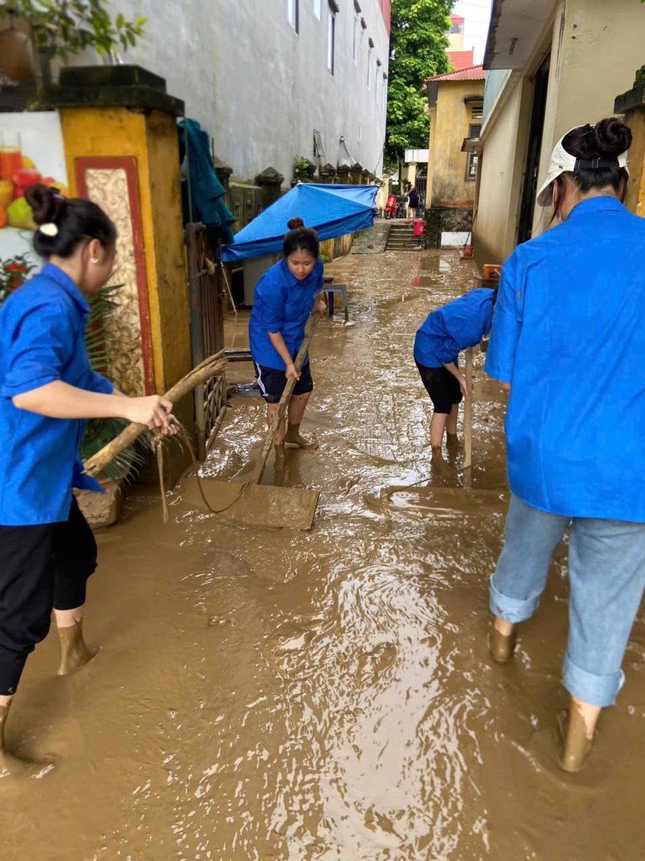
x=595 y=163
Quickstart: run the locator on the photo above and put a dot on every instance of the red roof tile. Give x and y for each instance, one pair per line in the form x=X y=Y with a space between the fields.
x=474 y=73
x=461 y=59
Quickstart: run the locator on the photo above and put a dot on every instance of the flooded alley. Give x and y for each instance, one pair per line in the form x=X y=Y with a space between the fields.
x=272 y=694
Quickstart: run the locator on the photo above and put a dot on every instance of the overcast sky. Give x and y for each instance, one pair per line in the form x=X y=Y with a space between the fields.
x=477 y=15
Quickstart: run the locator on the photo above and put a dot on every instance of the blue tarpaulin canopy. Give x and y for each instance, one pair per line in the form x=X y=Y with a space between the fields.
x=332 y=210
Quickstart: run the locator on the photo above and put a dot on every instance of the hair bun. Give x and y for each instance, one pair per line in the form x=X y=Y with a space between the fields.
x=295 y=223
x=612 y=137
x=45 y=202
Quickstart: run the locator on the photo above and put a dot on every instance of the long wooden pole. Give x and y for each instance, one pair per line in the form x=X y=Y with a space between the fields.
x=210 y=367
x=279 y=415
x=468 y=411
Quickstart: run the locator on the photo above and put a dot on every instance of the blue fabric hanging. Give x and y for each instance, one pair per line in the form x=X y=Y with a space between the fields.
x=208 y=193
x=332 y=210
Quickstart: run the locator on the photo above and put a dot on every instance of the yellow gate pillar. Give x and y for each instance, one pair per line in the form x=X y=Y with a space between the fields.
x=632 y=105
x=120 y=137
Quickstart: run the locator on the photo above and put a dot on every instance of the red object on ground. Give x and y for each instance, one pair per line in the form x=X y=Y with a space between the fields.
x=390 y=206
x=417 y=227
x=468 y=250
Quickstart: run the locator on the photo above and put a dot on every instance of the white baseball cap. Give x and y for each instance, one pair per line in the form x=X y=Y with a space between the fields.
x=562 y=161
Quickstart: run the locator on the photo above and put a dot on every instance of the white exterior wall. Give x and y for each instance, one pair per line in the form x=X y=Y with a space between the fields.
x=595 y=51
x=258 y=87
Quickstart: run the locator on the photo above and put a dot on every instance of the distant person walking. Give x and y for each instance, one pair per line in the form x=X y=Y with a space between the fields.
x=413 y=201
x=568 y=338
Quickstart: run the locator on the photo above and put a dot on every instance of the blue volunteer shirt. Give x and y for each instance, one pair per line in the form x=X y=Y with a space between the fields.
x=452 y=328
x=282 y=304
x=42 y=328
x=569 y=336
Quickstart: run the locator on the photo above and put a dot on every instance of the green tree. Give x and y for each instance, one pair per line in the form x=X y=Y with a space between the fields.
x=417 y=51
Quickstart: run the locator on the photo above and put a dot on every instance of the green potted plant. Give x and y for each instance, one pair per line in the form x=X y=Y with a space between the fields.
x=303 y=169
x=63 y=28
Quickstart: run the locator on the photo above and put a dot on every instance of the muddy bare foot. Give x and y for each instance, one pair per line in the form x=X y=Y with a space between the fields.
x=74 y=653
x=453 y=444
x=577 y=742
x=12 y=767
x=294 y=437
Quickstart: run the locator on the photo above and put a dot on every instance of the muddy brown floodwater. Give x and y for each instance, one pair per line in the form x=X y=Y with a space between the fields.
x=267 y=694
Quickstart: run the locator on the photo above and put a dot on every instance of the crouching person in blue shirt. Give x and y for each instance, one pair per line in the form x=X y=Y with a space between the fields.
x=47 y=389
x=445 y=332
x=285 y=296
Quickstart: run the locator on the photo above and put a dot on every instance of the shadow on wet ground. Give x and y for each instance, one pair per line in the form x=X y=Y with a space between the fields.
x=269 y=694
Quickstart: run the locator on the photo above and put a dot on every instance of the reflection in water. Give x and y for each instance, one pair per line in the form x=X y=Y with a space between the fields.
x=267 y=694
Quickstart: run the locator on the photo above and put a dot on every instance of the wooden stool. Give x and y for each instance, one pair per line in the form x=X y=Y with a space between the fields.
x=331 y=290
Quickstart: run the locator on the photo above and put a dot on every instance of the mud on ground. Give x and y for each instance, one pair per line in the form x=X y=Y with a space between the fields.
x=278 y=695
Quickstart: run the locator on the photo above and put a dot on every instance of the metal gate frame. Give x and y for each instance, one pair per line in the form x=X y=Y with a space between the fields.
x=205 y=297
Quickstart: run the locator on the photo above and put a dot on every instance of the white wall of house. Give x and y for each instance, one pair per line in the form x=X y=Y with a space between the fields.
x=260 y=88
x=595 y=48
x=500 y=179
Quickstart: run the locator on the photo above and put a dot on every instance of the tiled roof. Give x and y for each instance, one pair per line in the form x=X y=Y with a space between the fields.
x=474 y=73
x=461 y=59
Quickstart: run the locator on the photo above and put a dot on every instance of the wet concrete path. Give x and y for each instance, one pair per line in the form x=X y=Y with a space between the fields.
x=281 y=695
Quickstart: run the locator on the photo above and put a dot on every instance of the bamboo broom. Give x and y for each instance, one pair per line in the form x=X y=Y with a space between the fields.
x=207 y=369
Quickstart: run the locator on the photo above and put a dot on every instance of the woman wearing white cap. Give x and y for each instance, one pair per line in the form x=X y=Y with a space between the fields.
x=568 y=337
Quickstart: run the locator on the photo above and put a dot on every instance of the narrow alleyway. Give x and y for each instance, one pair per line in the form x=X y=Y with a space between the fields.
x=280 y=695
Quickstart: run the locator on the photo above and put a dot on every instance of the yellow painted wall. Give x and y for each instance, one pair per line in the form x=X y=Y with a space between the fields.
x=448 y=128
x=337 y=247
x=501 y=169
x=594 y=56
x=152 y=140
x=635 y=198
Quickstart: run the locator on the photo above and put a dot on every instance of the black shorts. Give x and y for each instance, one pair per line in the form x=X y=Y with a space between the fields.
x=41 y=567
x=442 y=386
x=272 y=382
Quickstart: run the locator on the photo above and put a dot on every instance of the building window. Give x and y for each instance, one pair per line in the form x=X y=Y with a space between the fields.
x=331 y=42
x=355 y=38
x=293 y=14
x=319 y=150
x=471 y=157
x=477 y=112
x=318 y=8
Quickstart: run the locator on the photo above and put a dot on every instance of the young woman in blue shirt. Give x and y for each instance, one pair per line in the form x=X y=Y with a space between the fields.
x=445 y=332
x=285 y=296
x=47 y=389
x=568 y=341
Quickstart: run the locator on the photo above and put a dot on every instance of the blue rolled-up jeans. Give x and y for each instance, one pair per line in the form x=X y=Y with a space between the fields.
x=606 y=580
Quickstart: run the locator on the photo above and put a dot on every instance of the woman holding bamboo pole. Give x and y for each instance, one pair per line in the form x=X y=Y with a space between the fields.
x=47 y=390
x=285 y=296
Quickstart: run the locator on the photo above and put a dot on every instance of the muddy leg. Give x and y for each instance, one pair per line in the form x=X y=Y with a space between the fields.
x=10 y=766
x=452 y=440
x=579 y=734
x=297 y=407
x=437 y=429
x=502 y=640
x=74 y=652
